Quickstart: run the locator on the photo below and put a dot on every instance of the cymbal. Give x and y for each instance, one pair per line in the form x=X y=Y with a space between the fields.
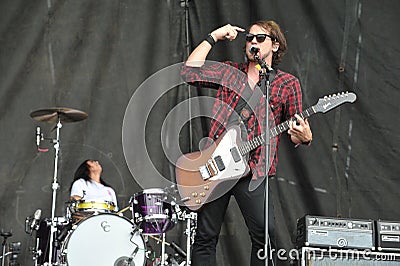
x=53 y=114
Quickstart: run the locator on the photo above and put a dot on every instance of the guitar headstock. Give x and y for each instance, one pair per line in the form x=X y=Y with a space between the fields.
x=327 y=103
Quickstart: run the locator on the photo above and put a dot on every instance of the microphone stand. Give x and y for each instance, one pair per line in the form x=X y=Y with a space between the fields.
x=265 y=85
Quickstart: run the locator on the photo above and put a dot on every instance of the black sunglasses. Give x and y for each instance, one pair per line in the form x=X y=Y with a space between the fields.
x=259 y=37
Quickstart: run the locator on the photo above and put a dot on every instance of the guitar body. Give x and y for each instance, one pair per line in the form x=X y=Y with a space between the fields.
x=202 y=176
x=207 y=175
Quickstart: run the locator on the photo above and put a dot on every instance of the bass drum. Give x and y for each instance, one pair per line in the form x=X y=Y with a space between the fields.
x=104 y=239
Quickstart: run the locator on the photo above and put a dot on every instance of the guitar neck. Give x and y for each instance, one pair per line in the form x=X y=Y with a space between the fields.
x=250 y=145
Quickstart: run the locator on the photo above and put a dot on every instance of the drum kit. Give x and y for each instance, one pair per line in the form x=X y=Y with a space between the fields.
x=95 y=232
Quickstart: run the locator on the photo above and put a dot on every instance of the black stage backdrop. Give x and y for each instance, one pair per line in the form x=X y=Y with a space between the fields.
x=92 y=55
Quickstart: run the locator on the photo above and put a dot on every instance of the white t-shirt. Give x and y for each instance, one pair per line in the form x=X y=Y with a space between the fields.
x=93 y=191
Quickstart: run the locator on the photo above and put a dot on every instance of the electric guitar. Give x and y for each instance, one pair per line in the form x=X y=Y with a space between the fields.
x=199 y=174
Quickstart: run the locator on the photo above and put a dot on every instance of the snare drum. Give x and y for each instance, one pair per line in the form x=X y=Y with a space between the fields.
x=94 y=206
x=104 y=239
x=84 y=208
x=151 y=211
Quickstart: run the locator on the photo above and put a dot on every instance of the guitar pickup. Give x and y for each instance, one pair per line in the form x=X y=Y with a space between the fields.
x=212 y=168
x=220 y=164
x=235 y=155
x=205 y=174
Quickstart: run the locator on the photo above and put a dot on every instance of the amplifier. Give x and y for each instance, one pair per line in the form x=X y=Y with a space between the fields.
x=317 y=231
x=388 y=235
x=341 y=257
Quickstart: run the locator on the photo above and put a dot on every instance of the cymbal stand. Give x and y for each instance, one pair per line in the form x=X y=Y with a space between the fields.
x=55 y=186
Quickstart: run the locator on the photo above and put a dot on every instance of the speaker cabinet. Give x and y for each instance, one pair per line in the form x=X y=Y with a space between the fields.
x=388 y=235
x=318 y=231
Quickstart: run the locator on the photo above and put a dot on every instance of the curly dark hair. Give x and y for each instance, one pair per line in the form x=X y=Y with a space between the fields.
x=275 y=30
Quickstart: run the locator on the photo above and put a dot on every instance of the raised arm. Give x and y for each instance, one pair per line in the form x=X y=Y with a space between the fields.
x=199 y=54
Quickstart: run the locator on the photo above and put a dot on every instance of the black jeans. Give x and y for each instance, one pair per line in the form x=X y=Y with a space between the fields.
x=211 y=217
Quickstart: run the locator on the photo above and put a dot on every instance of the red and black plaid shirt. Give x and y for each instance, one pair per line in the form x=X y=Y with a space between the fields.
x=230 y=79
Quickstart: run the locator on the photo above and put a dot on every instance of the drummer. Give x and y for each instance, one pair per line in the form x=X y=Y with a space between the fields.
x=89 y=186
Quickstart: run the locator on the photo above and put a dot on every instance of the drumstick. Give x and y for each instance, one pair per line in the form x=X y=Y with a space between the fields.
x=156 y=238
x=124 y=209
x=173 y=245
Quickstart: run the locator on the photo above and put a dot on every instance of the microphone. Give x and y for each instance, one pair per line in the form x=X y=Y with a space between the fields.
x=254 y=49
x=38 y=136
x=36 y=218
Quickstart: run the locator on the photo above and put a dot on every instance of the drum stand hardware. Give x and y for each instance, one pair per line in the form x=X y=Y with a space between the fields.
x=191 y=224
x=32 y=224
x=14 y=248
x=163 y=250
x=36 y=252
x=5 y=235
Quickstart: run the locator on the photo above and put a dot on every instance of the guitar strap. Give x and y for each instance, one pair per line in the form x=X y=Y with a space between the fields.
x=245 y=109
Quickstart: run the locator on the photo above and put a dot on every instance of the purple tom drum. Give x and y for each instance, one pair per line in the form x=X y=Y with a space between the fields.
x=151 y=212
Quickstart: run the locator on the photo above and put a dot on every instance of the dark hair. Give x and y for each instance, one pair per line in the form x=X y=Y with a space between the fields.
x=83 y=172
x=278 y=37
